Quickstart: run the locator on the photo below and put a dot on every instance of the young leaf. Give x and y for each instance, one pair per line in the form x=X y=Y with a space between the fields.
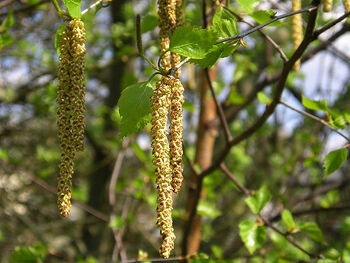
x=258 y=200
x=262 y=16
x=312 y=229
x=321 y=105
x=287 y=218
x=35 y=253
x=192 y=42
x=149 y=23
x=60 y=29
x=248 y=5
x=73 y=7
x=224 y=23
x=210 y=59
x=135 y=108
x=334 y=160
x=263 y=98
x=5 y=40
x=8 y=22
x=253 y=235
x=208 y=209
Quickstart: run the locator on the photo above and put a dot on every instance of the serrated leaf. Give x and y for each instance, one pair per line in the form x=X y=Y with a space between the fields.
x=208 y=209
x=135 y=108
x=321 y=105
x=287 y=218
x=312 y=229
x=148 y=23
x=252 y=235
x=258 y=200
x=334 y=160
x=224 y=23
x=263 y=98
x=210 y=59
x=192 y=42
x=73 y=7
x=59 y=30
x=248 y=5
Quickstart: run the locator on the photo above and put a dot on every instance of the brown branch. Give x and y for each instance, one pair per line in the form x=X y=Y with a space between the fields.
x=219 y=110
x=234 y=180
x=26 y=8
x=6 y=3
x=155 y=260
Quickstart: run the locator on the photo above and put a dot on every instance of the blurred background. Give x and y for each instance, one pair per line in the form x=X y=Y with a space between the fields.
x=114 y=197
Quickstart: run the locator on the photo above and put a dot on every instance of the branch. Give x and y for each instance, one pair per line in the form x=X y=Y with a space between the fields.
x=219 y=110
x=314 y=118
x=155 y=260
x=91 y=7
x=248 y=32
x=234 y=180
x=6 y=3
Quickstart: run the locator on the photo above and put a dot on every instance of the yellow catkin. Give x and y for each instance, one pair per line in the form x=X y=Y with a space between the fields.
x=327 y=5
x=160 y=152
x=297 y=29
x=175 y=58
x=347 y=8
x=71 y=107
x=167 y=21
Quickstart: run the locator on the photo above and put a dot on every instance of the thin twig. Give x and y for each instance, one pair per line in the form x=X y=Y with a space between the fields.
x=234 y=180
x=268 y=38
x=329 y=25
x=155 y=260
x=91 y=7
x=248 y=32
x=79 y=204
x=314 y=118
x=222 y=118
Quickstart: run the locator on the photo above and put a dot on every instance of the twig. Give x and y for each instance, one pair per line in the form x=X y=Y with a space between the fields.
x=6 y=3
x=26 y=8
x=329 y=25
x=248 y=32
x=222 y=118
x=234 y=180
x=155 y=260
x=314 y=118
x=79 y=204
x=289 y=239
x=268 y=38
x=91 y=7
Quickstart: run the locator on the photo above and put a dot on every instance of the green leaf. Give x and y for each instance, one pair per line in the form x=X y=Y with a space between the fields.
x=5 y=40
x=224 y=23
x=258 y=200
x=149 y=23
x=73 y=7
x=248 y=5
x=263 y=16
x=116 y=223
x=30 y=254
x=8 y=22
x=287 y=218
x=334 y=160
x=192 y=42
x=253 y=235
x=59 y=30
x=263 y=98
x=321 y=105
x=331 y=198
x=210 y=59
x=135 y=108
x=312 y=229
x=208 y=209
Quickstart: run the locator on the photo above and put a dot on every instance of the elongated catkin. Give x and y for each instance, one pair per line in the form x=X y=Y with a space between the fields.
x=71 y=107
x=327 y=5
x=297 y=29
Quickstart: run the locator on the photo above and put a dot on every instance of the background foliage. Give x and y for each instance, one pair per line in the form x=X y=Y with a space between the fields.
x=280 y=191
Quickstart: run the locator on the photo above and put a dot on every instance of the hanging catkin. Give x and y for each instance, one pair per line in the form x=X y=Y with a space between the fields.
x=160 y=153
x=327 y=5
x=71 y=107
x=347 y=8
x=297 y=29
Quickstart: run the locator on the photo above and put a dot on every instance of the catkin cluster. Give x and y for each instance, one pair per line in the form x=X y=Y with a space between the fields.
x=71 y=107
x=167 y=99
x=297 y=29
x=327 y=5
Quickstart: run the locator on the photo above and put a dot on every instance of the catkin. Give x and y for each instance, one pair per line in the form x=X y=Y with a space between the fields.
x=176 y=127
x=71 y=107
x=327 y=5
x=175 y=58
x=347 y=8
x=297 y=29
x=160 y=151
x=167 y=21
